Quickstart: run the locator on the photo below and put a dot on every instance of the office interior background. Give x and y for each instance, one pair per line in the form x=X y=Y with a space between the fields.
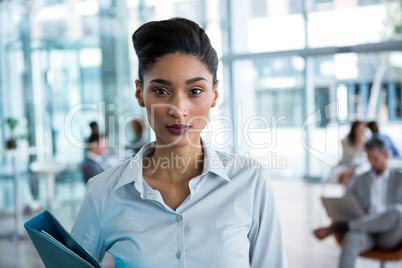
x=294 y=73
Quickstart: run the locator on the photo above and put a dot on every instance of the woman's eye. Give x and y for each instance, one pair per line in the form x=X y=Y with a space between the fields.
x=160 y=91
x=196 y=91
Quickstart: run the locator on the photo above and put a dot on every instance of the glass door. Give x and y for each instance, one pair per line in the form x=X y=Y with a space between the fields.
x=67 y=90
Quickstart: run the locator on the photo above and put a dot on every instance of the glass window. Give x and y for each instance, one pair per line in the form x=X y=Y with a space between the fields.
x=51 y=2
x=268 y=110
x=259 y=8
x=295 y=6
x=54 y=29
x=190 y=9
x=321 y=100
x=394 y=101
x=320 y=5
x=162 y=9
x=371 y=2
x=281 y=102
x=90 y=25
x=347 y=24
x=280 y=29
x=366 y=84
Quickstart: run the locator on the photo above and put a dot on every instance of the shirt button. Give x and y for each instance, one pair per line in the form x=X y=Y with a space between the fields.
x=195 y=189
x=178 y=255
x=178 y=218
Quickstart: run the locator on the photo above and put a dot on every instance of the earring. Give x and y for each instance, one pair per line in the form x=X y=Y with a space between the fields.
x=141 y=104
x=213 y=104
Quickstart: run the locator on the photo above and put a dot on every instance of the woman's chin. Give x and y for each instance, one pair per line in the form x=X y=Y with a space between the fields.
x=179 y=140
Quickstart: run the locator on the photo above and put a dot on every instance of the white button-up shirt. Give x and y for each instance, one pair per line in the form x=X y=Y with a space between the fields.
x=229 y=219
x=378 y=192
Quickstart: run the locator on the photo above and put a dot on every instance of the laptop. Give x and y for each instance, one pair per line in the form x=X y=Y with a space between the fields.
x=342 y=208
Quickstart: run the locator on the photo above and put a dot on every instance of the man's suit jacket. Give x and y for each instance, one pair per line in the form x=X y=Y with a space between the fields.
x=91 y=168
x=360 y=189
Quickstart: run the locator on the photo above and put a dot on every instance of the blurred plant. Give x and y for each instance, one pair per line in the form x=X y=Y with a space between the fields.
x=12 y=124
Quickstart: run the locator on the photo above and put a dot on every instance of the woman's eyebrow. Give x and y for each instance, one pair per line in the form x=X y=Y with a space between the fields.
x=168 y=83
x=161 y=81
x=195 y=79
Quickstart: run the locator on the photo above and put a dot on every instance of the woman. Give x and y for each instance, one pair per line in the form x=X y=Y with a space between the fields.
x=353 y=143
x=178 y=202
x=352 y=153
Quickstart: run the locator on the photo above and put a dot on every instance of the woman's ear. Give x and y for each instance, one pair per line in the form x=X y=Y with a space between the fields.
x=138 y=93
x=215 y=93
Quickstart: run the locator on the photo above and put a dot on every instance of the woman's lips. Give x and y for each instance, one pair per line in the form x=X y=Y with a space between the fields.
x=178 y=129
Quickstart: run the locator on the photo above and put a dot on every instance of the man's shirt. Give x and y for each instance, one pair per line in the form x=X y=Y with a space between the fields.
x=229 y=219
x=392 y=150
x=378 y=191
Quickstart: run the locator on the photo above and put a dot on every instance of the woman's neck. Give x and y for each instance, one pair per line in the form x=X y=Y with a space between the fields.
x=176 y=163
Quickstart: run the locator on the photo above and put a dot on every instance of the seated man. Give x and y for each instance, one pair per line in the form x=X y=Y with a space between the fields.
x=95 y=162
x=379 y=194
x=392 y=150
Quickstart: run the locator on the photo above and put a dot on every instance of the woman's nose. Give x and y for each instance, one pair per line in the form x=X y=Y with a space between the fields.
x=178 y=107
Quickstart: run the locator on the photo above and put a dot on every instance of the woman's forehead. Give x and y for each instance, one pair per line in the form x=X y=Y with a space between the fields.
x=178 y=65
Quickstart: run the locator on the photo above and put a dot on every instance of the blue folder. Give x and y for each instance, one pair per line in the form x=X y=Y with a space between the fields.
x=56 y=247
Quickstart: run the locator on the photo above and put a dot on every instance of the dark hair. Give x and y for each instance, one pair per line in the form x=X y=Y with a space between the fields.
x=158 y=38
x=95 y=138
x=139 y=122
x=352 y=132
x=373 y=126
x=375 y=144
x=93 y=124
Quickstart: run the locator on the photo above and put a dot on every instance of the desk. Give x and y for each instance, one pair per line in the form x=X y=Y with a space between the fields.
x=14 y=154
x=48 y=170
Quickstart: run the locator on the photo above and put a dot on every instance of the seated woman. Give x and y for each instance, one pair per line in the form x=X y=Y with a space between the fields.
x=178 y=202
x=352 y=154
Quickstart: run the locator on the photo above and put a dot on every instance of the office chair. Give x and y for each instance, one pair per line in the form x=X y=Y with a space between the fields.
x=380 y=255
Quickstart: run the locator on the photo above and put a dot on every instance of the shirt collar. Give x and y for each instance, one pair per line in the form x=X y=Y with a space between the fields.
x=213 y=163
x=383 y=176
x=133 y=170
